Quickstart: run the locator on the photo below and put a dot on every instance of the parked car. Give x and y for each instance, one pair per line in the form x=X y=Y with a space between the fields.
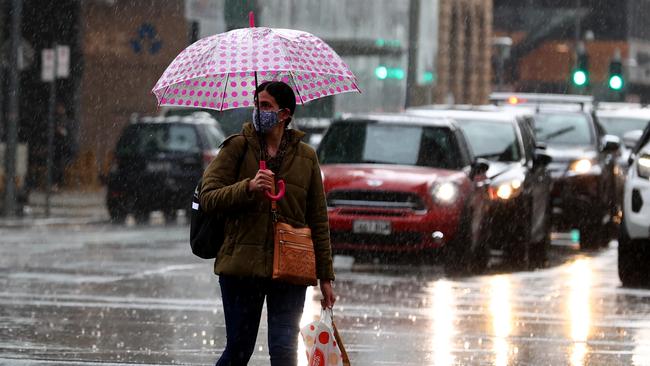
x=634 y=235
x=520 y=212
x=625 y=120
x=405 y=184
x=586 y=177
x=157 y=163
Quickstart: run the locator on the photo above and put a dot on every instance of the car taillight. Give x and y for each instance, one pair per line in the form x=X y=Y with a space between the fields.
x=208 y=155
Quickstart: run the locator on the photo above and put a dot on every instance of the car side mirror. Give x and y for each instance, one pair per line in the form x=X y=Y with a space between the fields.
x=630 y=138
x=541 y=158
x=479 y=167
x=540 y=145
x=611 y=143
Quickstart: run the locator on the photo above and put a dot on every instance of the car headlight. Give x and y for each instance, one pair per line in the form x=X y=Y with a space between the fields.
x=584 y=166
x=643 y=166
x=445 y=193
x=506 y=191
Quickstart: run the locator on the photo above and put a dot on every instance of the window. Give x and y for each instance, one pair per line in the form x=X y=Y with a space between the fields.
x=492 y=140
x=372 y=143
x=563 y=129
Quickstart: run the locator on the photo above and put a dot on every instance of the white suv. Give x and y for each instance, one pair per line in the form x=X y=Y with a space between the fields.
x=634 y=236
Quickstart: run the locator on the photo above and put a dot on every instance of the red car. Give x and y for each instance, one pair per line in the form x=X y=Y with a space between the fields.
x=398 y=183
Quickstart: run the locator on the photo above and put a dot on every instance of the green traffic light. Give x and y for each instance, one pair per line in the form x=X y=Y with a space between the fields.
x=381 y=72
x=616 y=82
x=580 y=77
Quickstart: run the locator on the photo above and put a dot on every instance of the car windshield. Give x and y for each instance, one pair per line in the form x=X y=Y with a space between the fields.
x=358 y=143
x=620 y=125
x=495 y=141
x=563 y=129
x=148 y=139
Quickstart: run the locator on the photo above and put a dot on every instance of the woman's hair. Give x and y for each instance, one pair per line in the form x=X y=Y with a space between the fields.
x=282 y=93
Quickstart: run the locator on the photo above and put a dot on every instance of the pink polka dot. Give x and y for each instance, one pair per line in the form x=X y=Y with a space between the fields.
x=203 y=83
x=172 y=101
x=244 y=93
x=312 y=85
x=285 y=80
x=180 y=102
x=199 y=93
x=184 y=91
x=244 y=83
x=243 y=74
x=191 y=92
x=212 y=105
x=331 y=91
x=203 y=104
x=234 y=94
x=304 y=99
x=235 y=104
x=246 y=103
x=175 y=91
x=163 y=101
x=211 y=84
x=196 y=83
x=196 y=104
x=207 y=94
x=298 y=100
x=341 y=78
x=338 y=89
x=346 y=88
x=219 y=84
x=233 y=84
x=225 y=105
x=311 y=96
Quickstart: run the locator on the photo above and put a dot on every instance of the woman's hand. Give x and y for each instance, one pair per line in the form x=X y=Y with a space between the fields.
x=328 y=294
x=263 y=181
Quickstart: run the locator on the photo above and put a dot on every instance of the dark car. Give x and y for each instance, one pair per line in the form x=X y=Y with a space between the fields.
x=403 y=184
x=520 y=213
x=585 y=193
x=157 y=163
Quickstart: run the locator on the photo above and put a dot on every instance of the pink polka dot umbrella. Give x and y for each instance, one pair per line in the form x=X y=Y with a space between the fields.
x=220 y=72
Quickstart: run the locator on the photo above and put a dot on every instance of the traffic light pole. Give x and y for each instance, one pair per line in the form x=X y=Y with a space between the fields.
x=12 y=117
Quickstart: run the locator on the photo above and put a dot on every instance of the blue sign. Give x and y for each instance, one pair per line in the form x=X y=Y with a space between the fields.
x=147 y=40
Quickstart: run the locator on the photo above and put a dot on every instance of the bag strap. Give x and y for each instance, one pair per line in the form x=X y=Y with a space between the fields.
x=274 y=205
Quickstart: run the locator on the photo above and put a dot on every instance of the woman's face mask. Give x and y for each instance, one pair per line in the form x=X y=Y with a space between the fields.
x=266 y=121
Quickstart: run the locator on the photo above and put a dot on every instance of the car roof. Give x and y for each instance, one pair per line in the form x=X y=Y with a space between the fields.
x=398 y=118
x=461 y=114
x=194 y=118
x=633 y=112
x=537 y=102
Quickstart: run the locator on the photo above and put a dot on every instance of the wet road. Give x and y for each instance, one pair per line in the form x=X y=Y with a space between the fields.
x=123 y=295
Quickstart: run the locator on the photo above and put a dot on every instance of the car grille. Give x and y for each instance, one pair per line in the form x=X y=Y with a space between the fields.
x=376 y=199
x=401 y=238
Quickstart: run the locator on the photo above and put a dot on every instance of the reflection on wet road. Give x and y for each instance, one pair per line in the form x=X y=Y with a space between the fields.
x=136 y=295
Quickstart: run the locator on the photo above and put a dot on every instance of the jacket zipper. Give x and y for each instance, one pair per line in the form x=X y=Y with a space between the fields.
x=294 y=245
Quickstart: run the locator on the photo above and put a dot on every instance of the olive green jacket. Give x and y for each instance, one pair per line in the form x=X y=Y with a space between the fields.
x=248 y=246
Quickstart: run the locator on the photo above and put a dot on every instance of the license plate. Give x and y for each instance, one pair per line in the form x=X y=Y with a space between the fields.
x=159 y=166
x=371 y=227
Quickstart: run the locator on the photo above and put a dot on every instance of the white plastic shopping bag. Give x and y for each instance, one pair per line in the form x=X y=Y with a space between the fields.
x=320 y=342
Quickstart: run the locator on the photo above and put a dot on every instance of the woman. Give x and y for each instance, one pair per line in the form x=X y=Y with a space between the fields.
x=233 y=184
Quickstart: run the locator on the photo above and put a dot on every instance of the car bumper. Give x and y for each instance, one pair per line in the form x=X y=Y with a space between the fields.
x=637 y=207
x=574 y=201
x=409 y=232
x=503 y=217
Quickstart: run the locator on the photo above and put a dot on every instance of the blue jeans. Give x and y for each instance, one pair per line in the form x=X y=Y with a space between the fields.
x=243 y=299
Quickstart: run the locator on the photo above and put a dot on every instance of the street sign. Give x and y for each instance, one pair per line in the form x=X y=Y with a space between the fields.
x=63 y=61
x=47 y=65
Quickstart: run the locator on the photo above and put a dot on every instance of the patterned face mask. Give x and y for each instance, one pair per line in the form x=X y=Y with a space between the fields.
x=266 y=121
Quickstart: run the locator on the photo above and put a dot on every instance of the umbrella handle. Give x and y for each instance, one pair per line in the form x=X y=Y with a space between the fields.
x=281 y=186
x=251 y=19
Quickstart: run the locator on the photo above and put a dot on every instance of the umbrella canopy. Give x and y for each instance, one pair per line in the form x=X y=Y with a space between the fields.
x=220 y=72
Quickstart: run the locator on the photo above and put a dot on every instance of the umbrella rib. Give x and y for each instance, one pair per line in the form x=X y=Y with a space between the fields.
x=297 y=87
x=223 y=96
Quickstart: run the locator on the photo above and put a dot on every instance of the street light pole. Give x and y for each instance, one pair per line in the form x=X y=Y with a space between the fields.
x=12 y=117
x=411 y=72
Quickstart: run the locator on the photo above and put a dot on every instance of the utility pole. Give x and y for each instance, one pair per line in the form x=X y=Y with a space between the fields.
x=12 y=117
x=411 y=71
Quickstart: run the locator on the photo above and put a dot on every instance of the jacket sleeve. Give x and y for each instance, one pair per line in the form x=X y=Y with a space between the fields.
x=318 y=222
x=220 y=189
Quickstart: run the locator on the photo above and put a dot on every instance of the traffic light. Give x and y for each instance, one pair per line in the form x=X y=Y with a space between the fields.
x=383 y=73
x=616 y=82
x=580 y=74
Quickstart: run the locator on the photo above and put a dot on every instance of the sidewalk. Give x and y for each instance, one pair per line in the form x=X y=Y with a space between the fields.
x=66 y=208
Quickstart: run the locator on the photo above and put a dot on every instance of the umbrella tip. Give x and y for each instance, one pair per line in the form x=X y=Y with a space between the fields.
x=251 y=19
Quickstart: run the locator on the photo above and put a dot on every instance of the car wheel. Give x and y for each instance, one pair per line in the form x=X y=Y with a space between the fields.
x=117 y=215
x=593 y=236
x=539 y=250
x=141 y=217
x=631 y=260
x=465 y=254
x=517 y=252
x=170 y=215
